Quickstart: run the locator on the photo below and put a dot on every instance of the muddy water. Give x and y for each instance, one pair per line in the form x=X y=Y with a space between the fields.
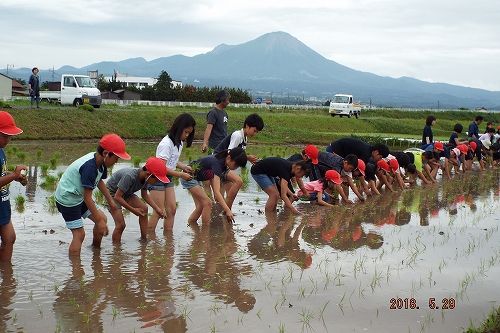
x=327 y=270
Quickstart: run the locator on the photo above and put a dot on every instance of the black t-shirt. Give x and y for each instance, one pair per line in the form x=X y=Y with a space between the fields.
x=273 y=167
x=427 y=133
x=452 y=142
x=346 y=146
x=208 y=167
x=328 y=161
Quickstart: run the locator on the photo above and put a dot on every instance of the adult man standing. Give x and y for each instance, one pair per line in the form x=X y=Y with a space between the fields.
x=217 y=118
x=34 y=87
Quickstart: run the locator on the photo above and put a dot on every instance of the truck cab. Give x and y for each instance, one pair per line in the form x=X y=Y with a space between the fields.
x=343 y=105
x=79 y=89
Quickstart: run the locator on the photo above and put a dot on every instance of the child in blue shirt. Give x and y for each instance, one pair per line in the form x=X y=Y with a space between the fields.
x=74 y=190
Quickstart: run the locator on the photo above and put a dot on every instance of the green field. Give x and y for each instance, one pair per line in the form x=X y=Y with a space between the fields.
x=281 y=126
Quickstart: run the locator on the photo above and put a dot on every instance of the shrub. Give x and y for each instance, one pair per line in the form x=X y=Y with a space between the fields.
x=86 y=107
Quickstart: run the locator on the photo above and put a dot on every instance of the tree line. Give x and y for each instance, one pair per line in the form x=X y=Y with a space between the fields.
x=162 y=90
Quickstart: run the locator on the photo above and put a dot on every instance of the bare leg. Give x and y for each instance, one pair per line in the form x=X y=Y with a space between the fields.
x=75 y=246
x=8 y=237
x=171 y=208
x=235 y=184
x=159 y=198
x=135 y=202
x=203 y=206
x=119 y=226
x=272 y=201
x=100 y=228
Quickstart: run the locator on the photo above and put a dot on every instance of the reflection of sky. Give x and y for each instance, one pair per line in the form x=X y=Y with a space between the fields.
x=154 y=284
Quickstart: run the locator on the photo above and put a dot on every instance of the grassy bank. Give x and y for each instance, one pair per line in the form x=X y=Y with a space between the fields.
x=490 y=325
x=281 y=126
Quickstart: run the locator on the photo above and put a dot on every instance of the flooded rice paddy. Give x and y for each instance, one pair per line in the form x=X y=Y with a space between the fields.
x=432 y=253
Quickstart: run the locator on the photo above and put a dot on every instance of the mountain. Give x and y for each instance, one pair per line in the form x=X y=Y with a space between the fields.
x=280 y=63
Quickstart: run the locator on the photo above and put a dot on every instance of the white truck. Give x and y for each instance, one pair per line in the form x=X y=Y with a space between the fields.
x=343 y=105
x=75 y=90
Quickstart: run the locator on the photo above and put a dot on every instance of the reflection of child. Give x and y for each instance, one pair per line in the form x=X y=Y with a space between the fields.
x=8 y=129
x=74 y=191
x=318 y=192
x=124 y=183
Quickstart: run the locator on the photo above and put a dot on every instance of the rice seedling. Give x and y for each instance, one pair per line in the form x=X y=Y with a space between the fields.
x=281 y=328
x=49 y=183
x=258 y=314
x=53 y=163
x=44 y=168
x=322 y=312
x=240 y=320
x=136 y=161
x=20 y=200
x=21 y=156
x=215 y=308
x=115 y=312
x=38 y=154
x=305 y=319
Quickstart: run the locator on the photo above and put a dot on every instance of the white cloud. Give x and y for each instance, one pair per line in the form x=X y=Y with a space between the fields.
x=441 y=41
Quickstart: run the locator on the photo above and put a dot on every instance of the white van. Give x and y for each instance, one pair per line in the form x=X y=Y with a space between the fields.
x=75 y=90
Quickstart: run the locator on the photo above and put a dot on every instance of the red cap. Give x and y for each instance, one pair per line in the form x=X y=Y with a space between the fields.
x=463 y=148
x=158 y=168
x=312 y=152
x=394 y=164
x=439 y=146
x=473 y=145
x=333 y=176
x=7 y=124
x=361 y=166
x=382 y=164
x=114 y=144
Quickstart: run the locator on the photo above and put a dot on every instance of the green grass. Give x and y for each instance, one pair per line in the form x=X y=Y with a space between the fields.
x=490 y=325
x=281 y=126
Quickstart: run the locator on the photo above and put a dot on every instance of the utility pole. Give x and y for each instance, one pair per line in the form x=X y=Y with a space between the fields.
x=11 y=66
x=438 y=104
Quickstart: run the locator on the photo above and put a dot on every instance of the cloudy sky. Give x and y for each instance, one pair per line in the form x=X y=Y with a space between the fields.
x=453 y=41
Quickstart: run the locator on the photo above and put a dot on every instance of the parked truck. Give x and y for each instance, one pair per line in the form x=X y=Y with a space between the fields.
x=343 y=105
x=73 y=89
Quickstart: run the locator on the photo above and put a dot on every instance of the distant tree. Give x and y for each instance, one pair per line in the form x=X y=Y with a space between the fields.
x=44 y=85
x=102 y=83
x=163 y=87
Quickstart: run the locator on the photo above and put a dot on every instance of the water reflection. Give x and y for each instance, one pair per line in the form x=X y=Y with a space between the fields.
x=279 y=241
x=32 y=182
x=8 y=285
x=126 y=288
x=341 y=231
x=211 y=264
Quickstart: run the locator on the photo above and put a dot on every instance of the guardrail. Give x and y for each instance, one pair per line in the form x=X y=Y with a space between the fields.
x=208 y=104
x=251 y=106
